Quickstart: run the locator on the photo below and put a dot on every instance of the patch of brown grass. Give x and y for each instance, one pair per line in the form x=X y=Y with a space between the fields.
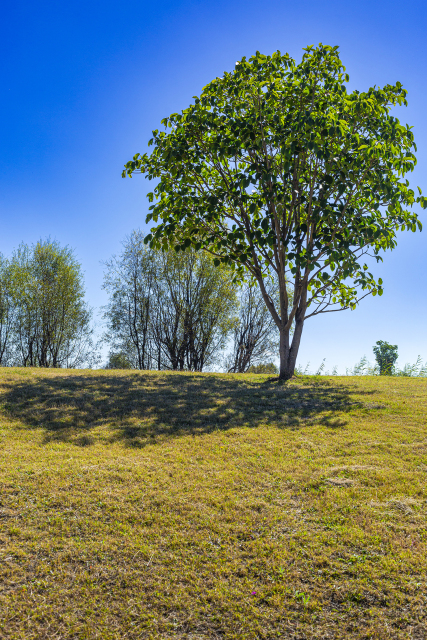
x=159 y=505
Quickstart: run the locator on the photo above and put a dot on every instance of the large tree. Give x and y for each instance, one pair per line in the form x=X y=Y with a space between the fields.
x=276 y=167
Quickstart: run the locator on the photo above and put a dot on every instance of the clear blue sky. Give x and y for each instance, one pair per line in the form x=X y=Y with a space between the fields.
x=84 y=83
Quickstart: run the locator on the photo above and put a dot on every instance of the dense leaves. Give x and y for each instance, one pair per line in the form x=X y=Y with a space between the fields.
x=276 y=167
x=386 y=355
x=44 y=319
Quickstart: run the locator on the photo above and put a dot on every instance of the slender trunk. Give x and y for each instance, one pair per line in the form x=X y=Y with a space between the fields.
x=284 y=355
x=288 y=353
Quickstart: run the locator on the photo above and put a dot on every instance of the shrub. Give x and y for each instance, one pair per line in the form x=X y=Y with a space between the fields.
x=267 y=367
x=385 y=355
x=118 y=361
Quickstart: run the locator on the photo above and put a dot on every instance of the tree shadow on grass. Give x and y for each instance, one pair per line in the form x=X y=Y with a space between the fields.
x=146 y=407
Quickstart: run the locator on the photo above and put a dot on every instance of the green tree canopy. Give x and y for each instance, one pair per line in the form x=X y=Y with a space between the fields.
x=130 y=279
x=195 y=311
x=52 y=322
x=277 y=168
x=118 y=361
x=386 y=355
x=268 y=367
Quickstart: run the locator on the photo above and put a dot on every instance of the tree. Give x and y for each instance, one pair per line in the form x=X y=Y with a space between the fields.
x=52 y=324
x=118 y=361
x=167 y=310
x=8 y=310
x=385 y=355
x=130 y=280
x=276 y=168
x=255 y=334
x=196 y=302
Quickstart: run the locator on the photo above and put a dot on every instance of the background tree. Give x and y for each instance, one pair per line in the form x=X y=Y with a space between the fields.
x=129 y=280
x=52 y=323
x=118 y=361
x=167 y=310
x=195 y=311
x=255 y=334
x=326 y=168
x=8 y=310
x=267 y=367
x=386 y=356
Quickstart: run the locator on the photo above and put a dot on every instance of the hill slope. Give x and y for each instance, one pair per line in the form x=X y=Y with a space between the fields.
x=162 y=505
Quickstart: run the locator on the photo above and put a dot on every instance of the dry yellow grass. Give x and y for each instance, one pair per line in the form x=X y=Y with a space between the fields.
x=162 y=505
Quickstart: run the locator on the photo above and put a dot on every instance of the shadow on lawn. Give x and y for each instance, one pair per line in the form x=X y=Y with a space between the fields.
x=142 y=408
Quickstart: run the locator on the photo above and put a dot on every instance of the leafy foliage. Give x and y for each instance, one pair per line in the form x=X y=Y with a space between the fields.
x=8 y=311
x=277 y=168
x=118 y=361
x=385 y=355
x=268 y=367
x=195 y=309
x=129 y=280
x=45 y=321
x=415 y=370
x=365 y=368
x=255 y=335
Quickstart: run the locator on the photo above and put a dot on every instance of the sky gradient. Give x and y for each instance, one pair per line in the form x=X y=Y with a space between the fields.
x=84 y=84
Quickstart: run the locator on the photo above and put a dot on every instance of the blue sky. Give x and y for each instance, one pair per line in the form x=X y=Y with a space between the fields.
x=84 y=83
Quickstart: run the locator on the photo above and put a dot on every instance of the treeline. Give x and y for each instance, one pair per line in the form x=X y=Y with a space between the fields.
x=165 y=310
x=177 y=310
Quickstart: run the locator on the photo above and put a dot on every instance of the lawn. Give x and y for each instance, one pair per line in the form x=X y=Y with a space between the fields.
x=145 y=505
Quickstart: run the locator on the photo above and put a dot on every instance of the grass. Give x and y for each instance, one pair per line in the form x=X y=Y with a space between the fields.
x=141 y=505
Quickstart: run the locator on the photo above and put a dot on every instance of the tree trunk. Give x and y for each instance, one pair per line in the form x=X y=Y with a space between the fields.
x=288 y=353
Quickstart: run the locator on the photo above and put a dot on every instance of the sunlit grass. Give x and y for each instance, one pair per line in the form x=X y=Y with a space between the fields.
x=163 y=505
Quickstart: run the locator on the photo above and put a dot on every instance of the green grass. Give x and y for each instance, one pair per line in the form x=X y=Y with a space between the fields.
x=162 y=505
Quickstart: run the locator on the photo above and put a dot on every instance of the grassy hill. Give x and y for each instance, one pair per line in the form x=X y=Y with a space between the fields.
x=162 y=505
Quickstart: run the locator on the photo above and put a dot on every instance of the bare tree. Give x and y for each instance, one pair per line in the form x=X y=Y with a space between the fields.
x=8 y=312
x=130 y=280
x=255 y=335
x=167 y=310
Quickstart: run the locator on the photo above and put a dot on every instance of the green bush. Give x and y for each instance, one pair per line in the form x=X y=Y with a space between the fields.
x=118 y=361
x=267 y=367
x=386 y=356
